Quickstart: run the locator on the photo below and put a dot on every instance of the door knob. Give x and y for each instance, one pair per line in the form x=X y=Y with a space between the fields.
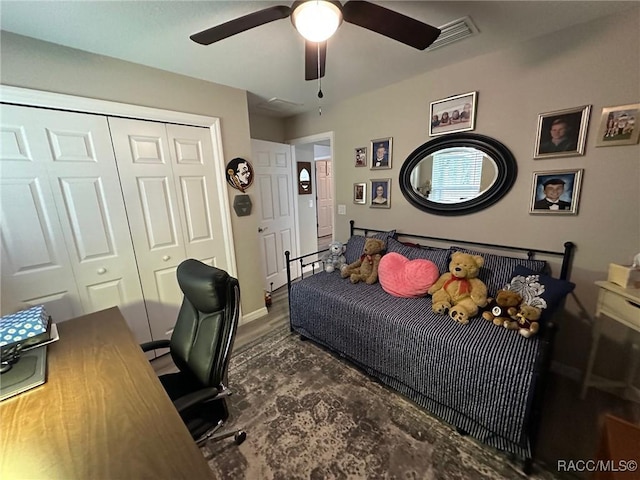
x=102 y=270
x=260 y=229
x=166 y=258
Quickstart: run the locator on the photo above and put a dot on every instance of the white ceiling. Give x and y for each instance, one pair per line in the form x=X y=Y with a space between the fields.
x=268 y=61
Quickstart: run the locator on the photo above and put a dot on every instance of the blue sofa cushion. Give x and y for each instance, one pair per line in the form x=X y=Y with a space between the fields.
x=540 y=290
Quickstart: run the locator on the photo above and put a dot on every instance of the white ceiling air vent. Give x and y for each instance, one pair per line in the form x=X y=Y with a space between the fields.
x=276 y=105
x=454 y=32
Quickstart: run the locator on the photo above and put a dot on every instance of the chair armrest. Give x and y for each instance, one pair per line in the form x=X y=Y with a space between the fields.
x=154 y=345
x=194 y=398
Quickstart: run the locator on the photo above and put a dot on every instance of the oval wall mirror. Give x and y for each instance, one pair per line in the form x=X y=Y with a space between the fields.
x=457 y=174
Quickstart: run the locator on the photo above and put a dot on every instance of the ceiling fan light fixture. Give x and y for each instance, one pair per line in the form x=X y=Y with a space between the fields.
x=316 y=20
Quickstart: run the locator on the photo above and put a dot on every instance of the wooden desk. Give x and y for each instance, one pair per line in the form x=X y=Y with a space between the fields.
x=102 y=414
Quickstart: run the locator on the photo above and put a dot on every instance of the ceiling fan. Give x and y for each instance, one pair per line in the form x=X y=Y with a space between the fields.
x=317 y=20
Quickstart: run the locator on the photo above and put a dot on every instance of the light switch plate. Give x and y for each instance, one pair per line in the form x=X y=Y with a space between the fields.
x=342 y=209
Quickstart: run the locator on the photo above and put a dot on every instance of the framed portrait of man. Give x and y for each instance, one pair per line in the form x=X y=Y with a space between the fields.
x=381 y=153
x=562 y=133
x=556 y=192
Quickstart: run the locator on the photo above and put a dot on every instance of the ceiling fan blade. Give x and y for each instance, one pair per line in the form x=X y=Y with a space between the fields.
x=238 y=25
x=389 y=23
x=311 y=59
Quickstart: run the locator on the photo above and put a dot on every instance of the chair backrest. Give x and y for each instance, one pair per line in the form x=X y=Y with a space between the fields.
x=207 y=321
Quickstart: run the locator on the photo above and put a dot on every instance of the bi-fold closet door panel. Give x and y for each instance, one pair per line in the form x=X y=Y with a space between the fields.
x=65 y=235
x=168 y=175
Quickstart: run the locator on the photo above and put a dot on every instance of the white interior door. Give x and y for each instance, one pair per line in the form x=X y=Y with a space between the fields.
x=324 y=197
x=272 y=165
x=73 y=153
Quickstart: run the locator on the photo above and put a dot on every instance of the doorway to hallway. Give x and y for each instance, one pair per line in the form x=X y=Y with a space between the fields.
x=316 y=211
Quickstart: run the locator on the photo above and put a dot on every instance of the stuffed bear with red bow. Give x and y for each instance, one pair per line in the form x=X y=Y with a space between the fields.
x=365 y=269
x=459 y=292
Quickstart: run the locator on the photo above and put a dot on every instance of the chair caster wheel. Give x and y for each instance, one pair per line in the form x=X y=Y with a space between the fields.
x=240 y=437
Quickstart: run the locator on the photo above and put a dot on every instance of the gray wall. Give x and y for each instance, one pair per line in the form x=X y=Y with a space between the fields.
x=267 y=128
x=596 y=64
x=30 y=63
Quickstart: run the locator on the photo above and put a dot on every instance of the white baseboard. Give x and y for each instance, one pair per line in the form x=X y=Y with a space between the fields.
x=256 y=314
x=566 y=371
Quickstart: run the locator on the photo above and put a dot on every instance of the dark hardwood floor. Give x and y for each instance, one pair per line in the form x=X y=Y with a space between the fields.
x=277 y=317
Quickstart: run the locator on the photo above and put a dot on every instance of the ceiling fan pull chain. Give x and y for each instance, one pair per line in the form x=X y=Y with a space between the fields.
x=320 y=94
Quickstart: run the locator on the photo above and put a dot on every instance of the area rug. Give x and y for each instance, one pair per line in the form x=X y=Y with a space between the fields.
x=311 y=415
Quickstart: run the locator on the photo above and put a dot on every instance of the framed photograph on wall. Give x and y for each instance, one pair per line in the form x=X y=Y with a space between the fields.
x=562 y=133
x=360 y=193
x=556 y=192
x=380 y=193
x=618 y=126
x=360 y=156
x=381 y=153
x=453 y=114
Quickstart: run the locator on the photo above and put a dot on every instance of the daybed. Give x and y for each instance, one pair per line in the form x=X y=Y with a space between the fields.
x=481 y=378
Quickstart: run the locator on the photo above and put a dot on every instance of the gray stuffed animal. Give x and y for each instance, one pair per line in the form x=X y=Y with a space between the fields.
x=334 y=258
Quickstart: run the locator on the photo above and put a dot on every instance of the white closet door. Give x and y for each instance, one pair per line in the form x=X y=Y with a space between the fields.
x=73 y=152
x=144 y=164
x=194 y=176
x=35 y=263
x=168 y=177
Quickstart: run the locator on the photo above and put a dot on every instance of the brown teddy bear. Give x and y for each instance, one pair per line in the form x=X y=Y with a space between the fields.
x=502 y=308
x=459 y=291
x=525 y=320
x=365 y=269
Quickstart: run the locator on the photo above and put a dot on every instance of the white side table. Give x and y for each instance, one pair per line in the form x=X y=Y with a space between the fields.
x=623 y=306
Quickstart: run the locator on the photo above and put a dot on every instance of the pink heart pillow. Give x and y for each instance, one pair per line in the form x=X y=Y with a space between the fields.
x=406 y=278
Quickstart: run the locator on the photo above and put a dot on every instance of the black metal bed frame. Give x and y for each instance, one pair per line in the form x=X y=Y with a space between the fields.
x=547 y=334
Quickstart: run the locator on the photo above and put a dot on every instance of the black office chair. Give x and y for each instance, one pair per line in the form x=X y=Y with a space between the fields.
x=200 y=347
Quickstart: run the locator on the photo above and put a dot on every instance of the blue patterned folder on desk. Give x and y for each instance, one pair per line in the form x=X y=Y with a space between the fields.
x=26 y=326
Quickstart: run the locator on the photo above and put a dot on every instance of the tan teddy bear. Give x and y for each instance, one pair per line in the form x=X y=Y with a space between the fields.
x=365 y=269
x=525 y=321
x=503 y=307
x=458 y=291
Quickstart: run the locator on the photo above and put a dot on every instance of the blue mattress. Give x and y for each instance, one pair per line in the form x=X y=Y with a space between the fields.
x=477 y=377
